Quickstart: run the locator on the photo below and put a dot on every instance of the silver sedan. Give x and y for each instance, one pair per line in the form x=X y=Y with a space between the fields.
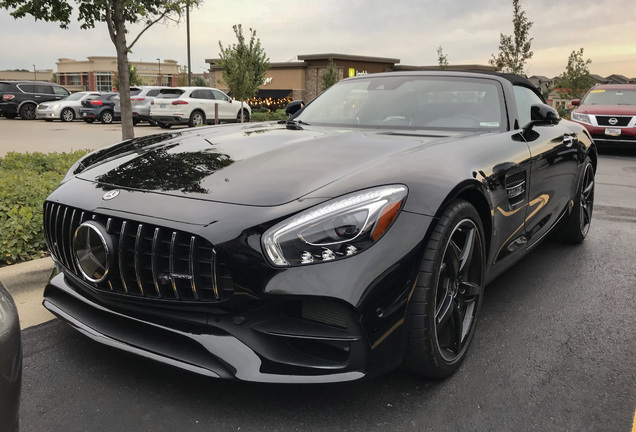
x=66 y=109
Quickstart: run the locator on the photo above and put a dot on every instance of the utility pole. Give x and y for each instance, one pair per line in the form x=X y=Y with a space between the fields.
x=35 y=74
x=188 y=30
x=159 y=79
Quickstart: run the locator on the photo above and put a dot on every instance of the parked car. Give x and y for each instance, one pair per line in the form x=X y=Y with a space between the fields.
x=141 y=97
x=194 y=106
x=608 y=112
x=10 y=362
x=22 y=97
x=356 y=237
x=101 y=108
x=66 y=109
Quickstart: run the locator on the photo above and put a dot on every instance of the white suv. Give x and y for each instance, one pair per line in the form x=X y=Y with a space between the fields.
x=195 y=106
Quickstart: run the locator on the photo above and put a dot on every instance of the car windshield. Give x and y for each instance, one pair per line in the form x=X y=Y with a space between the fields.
x=410 y=102
x=610 y=97
x=74 y=96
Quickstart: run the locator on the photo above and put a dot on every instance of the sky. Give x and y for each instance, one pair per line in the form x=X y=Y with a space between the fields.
x=409 y=30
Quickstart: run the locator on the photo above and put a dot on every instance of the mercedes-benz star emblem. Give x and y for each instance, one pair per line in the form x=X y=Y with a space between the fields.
x=111 y=194
x=613 y=121
x=93 y=251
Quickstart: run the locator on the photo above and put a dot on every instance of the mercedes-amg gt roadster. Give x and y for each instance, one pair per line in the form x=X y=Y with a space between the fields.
x=355 y=237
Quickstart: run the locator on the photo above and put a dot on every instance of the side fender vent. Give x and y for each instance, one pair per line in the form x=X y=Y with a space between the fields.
x=516 y=188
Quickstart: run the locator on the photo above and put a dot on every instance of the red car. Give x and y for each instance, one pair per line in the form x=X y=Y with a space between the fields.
x=608 y=111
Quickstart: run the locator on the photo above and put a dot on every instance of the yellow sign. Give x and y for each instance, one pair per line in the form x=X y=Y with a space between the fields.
x=352 y=72
x=597 y=91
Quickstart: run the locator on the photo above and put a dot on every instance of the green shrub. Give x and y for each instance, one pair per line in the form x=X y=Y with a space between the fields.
x=26 y=179
x=259 y=116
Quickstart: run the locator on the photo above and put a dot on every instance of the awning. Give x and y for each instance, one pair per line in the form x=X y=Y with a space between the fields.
x=274 y=94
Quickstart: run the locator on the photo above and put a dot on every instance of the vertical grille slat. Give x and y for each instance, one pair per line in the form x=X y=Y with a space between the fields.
x=173 y=271
x=122 y=264
x=151 y=262
x=193 y=282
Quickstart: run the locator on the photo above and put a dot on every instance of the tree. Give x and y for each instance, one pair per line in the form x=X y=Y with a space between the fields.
x=514 y=50
x=183 y=76
x=116 y=14
x=576 y=79
x=133 y=79
x=243 y=65
x=442 y=58
x=199 y=82
x=330 y=77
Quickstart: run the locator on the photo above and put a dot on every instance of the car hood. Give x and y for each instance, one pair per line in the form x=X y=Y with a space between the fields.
x=607 y=109
x=260 y=165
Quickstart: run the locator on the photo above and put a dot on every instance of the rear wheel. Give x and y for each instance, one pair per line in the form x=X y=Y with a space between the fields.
x=442 y=313
x=106 y=117
x=67 y=115
x=577 y=224
x=197 y=118
x=27 y=112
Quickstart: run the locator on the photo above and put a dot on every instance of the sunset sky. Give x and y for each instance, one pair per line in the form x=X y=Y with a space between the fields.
x=410 y=30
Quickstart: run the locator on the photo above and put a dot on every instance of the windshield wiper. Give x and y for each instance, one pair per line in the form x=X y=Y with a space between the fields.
x=295 y=124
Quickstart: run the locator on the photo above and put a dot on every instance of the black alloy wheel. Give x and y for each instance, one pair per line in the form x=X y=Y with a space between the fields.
x=443 y=310
x=106 y=117
x=27 y=112
x=67 y=115
x=577 y=224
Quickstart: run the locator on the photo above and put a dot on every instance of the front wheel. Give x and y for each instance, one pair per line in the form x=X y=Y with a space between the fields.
x=442 y=313
x=243 y=116
x=67 y=115
x=577 y=224
x=27 y=112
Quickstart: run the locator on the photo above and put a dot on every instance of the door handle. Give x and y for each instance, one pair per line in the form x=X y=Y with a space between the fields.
x=568 y=140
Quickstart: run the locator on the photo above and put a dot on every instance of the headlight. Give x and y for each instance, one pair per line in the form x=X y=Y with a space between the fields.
x=56 y=106
x=583 y=118
x=336 y=229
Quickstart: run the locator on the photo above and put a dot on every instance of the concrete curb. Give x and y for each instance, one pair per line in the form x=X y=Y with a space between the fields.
x=27 y=276
x=25 y=282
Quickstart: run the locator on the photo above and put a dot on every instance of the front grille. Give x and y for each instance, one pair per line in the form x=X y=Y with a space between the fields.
x=620 y=120
x=150 y=261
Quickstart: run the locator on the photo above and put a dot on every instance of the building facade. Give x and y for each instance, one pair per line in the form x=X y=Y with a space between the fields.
x=99 y=73
x=24 y=75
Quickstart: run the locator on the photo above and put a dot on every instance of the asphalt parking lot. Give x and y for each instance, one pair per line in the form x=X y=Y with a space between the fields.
x=555 y=349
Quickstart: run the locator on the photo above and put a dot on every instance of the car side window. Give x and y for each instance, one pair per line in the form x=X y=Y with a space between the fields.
x=27 y=88
x=219 y=95
x=60 y=91
x=525 y=98
x=44 y=89
x=152 y=92
x=196 y=94
x=207 y=94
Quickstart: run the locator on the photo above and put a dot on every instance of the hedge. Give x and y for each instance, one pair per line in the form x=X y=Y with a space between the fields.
x=26 y=179
x=267 y=115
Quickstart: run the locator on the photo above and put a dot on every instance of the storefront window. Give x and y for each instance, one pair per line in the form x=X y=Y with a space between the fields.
x=104 y=81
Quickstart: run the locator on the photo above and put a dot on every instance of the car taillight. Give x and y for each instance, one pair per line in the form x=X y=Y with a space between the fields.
x=179 y=102
x=8 y=97
x=96 y=102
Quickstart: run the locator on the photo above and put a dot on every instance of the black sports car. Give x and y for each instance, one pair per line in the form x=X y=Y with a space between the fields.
x=355 y=237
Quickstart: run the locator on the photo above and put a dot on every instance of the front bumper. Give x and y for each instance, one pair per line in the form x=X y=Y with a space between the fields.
x=46 y=114
x=626 y=138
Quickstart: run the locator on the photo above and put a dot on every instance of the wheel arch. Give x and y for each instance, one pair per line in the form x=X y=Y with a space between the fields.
x=472 y=192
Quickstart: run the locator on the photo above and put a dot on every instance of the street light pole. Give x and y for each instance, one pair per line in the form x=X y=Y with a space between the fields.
x=159 y=80
x=188 y=30
x=35 y=74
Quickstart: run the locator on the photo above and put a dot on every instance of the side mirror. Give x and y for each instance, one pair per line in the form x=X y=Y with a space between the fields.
x=293 y=107
x=541 y=115
x=576 y=102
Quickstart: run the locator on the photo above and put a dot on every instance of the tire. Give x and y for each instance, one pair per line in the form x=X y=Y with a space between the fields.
x=577 y=224
x=197 y=118
x=246 y=116
x=67 y=115
x=89 y=120
x=164 y=125
x=443 y=310
x=27 y=112
x=106 y=117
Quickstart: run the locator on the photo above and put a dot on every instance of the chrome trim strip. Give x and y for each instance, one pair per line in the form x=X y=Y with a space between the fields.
x=71 y=235
x=215 y=287
x=56 y=235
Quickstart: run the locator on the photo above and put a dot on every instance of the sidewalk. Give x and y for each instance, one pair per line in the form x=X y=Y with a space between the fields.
x=25 y=282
